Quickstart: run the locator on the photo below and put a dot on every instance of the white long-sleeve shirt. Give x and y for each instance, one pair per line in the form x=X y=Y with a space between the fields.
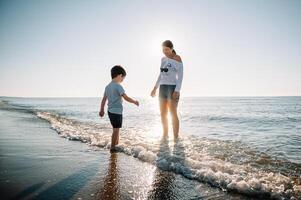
x=171 y=73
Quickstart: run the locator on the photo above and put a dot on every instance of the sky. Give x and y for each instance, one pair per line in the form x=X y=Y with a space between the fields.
x=66 y=48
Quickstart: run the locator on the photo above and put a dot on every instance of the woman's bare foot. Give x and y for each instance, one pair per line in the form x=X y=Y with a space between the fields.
x=165 y=137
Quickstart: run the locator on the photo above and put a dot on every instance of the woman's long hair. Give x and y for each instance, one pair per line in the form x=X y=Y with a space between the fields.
x=169 y=44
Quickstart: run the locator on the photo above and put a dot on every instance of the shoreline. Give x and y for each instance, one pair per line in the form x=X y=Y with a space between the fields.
x=38 y=164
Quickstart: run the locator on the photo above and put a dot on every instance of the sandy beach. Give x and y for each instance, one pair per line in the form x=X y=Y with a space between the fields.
x=36 y=163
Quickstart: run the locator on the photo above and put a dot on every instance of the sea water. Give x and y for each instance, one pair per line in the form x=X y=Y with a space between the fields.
x=249 y=145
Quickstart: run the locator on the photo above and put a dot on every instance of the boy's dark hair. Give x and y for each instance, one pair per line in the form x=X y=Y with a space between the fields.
x=116 y=70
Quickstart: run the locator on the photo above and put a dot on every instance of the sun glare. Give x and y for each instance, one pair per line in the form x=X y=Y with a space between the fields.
x=157 y=38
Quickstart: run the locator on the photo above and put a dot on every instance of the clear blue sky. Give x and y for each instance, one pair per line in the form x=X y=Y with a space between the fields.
x=229 y=48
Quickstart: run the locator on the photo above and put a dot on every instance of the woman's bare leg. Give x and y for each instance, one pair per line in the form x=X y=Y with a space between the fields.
x=174 y=115
x=164 y=119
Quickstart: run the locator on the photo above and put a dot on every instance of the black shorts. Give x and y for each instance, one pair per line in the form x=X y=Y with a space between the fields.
x=166 y=91
x=115 y=119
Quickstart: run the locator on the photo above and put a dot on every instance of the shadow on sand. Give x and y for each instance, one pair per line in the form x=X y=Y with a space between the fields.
x=26 y=192
x=64 y=189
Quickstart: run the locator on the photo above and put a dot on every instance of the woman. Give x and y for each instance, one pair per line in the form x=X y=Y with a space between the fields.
x=169 y=81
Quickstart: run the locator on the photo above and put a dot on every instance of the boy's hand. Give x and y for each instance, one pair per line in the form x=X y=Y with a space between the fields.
x=101 y=113
x=153 y=93
x=136 y=103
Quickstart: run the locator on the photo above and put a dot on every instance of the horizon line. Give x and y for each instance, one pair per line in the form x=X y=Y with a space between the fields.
x=150 y=97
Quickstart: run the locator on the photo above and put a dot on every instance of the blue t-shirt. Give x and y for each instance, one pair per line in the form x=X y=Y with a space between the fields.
x=114 y=91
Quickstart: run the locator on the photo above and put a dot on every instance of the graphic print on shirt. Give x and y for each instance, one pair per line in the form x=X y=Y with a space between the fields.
x=171 y=73
x=166 y=68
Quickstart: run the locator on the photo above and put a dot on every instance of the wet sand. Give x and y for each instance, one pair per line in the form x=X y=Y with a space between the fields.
x=36 y=163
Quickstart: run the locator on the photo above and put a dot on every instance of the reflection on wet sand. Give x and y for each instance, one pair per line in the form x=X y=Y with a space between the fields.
x=164 y=186
x=110 y=189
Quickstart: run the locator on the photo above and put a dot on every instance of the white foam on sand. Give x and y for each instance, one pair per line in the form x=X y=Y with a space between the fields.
x=192 y=157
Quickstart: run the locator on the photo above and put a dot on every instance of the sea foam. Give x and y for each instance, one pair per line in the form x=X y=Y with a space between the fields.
x=222 y=164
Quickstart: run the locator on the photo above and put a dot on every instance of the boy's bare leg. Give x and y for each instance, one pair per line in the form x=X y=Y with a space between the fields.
x=115 y=137
x=164 y=119
x=174 y=115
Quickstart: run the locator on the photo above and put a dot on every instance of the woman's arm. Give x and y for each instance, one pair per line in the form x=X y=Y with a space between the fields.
x=180 y=78
x=153 y=93
x=159 y=77
x=158 y=82
x=180 y=74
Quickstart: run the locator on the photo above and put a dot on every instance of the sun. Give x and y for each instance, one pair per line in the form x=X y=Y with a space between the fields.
x=158 y=37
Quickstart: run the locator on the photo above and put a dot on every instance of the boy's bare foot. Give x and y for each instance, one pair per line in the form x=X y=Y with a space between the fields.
x=113 y=150
x=116 y=149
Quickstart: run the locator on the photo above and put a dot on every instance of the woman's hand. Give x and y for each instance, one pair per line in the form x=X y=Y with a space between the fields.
x=175 y=95
x=153 y=93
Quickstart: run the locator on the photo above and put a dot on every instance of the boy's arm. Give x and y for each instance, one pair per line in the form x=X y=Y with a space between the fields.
x=102 y=106
x=129 y=99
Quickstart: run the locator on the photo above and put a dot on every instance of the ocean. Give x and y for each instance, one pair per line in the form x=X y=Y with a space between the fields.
x=245 y=145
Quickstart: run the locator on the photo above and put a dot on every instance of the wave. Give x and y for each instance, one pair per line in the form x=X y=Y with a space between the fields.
x=228 y=165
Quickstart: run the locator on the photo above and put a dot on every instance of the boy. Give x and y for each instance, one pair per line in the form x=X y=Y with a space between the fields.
x=113 y=93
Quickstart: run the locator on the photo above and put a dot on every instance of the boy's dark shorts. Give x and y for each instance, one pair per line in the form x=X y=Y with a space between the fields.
x=166 y=91
x=115 y=119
